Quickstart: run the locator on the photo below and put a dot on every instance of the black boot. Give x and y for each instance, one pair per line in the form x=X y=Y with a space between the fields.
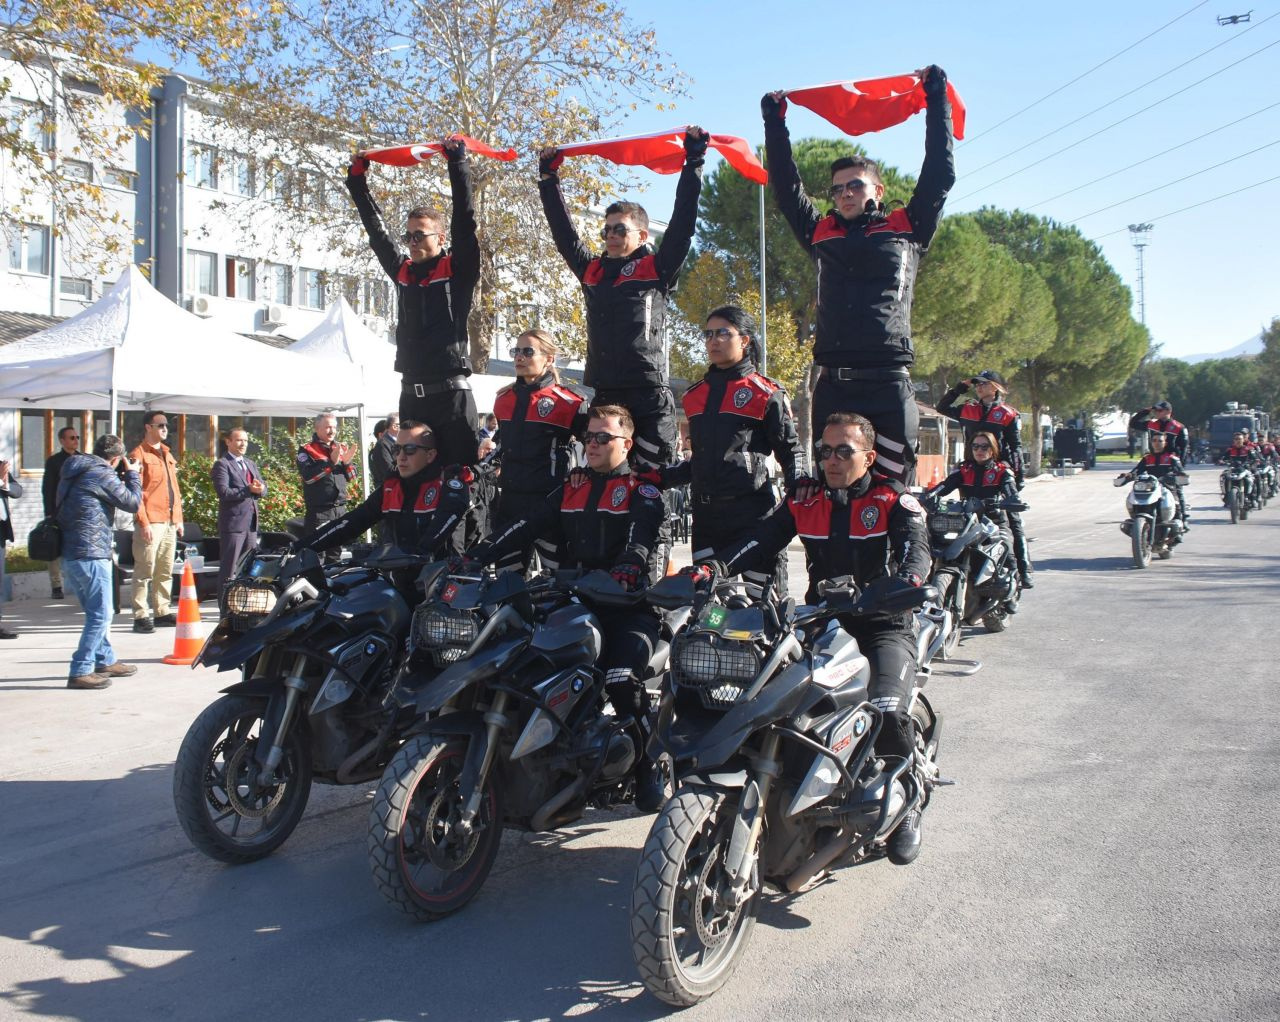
x=651 y=787
x=904 y=843
x=1024 y=575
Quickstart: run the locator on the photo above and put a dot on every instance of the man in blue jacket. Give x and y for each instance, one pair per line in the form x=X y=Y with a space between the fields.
x=92 y=488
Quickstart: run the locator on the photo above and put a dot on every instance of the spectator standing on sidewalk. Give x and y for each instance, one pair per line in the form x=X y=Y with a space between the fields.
x=239 y=485
x=325 y=465
x=92 y=487
x=157 y=526
x=9 y=487
x=69 y=440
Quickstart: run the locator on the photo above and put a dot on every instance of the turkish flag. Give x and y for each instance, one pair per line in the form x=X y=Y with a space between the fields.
x=874 y=103
x=420 y=152
x=663 y=152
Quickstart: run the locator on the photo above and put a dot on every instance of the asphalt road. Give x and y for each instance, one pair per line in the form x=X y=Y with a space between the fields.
x=1110 y=849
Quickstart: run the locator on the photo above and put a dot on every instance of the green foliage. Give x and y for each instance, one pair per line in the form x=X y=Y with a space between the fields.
x=277 y=458
x=18 y=562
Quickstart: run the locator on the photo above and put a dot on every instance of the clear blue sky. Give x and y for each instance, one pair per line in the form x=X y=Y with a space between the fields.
x=1212 y=274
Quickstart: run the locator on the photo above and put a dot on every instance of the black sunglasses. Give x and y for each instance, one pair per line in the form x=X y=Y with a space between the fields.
x=525 y=352
x=600 y=438
x=418 y=237
x=723 y=333
x=981 y=447
x=408 y=449
x=616 y=230
x=856 y=185
x=844 y=452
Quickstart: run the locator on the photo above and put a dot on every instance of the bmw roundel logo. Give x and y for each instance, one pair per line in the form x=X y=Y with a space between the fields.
x=577 y=685
x=370 y=648
x=859 y=726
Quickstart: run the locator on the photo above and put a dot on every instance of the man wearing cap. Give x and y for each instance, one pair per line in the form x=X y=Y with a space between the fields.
x=1162 y=422
x=984 y=409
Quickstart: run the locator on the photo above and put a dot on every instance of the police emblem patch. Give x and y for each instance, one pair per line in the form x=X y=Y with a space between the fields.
x=302 y=458
x=649 y=490
x=545 y=405
x=740 y=397
x=990 y=476
x=629 y=269
x=870 y=515
x=908 y=501
x=618 y=495
x=430 y=496
x=455 y=484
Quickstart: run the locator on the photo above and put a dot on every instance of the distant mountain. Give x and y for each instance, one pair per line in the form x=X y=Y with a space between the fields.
x=1252 y=346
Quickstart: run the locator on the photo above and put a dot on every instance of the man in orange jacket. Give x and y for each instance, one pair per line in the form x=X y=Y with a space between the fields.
x=157 y=526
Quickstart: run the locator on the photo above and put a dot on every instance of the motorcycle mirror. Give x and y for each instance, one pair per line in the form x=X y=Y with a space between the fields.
x=1119 y=481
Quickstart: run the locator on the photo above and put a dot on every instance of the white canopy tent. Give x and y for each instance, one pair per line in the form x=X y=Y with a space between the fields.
x=133 y=349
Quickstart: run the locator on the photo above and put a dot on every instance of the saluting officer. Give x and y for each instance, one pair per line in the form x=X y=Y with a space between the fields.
x=608 y=519
x=737 y=418
x=986 y=409
x=1162 y=422
x=434 y=288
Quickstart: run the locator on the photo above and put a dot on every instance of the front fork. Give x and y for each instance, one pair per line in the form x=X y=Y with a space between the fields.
x=479 y=760
x=295 y=685
x=749 y=822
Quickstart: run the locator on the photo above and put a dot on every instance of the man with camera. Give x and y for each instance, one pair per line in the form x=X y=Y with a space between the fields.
x=92 y=488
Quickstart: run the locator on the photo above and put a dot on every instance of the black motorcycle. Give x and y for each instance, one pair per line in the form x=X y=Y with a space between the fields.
x=1237 y=484
x=513 y=733
x=974 y=568
x=317 y=650
x=767 y=722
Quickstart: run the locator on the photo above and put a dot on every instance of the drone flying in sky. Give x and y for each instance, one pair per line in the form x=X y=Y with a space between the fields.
x=1234 y=19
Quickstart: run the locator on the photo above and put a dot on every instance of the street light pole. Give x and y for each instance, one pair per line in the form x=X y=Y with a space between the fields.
x=1140 y=234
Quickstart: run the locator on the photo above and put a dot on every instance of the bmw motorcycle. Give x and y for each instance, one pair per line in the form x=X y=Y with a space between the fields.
x=316 y=650
x=1237 y=484
x=767 y=722
x=974 y=570
x=1153 y=526
x=513 y=731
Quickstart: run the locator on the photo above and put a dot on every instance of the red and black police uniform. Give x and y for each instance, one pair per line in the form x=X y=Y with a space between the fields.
x=626 y=302
x=537 y=422
x=324 y=485
x=1245 y=456
x=1165 y=466
x=738 y=417
x=985 y=480
x=867 y=271
x=1176 y=433
x=996 y=417
x=872 y=530
x=421 y=514
x=607 y=522
x=433 y=300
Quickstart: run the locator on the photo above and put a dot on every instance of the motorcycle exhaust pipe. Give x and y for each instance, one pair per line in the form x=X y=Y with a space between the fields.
x=821 y=859
x=542 y=819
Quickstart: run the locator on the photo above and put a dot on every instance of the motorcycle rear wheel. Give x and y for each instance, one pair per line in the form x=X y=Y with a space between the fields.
x=685 y=940
x=1140 y=534
x=215 y=792
x=417 y=863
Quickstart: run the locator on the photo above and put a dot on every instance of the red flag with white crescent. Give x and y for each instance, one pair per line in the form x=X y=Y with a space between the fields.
x=874 y=103
x=663 y=152
x=419 y=152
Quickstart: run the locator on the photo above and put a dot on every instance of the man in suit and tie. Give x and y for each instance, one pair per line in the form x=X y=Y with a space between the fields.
x=9 y=487
x=240 y=486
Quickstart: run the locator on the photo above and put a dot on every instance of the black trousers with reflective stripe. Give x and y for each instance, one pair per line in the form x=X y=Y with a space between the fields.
x=891 y=407
x=891 y=648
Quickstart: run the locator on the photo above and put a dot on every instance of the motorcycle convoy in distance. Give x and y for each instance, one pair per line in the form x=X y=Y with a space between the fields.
x=1154 y=525
x=1247 y=489
x=476 y=702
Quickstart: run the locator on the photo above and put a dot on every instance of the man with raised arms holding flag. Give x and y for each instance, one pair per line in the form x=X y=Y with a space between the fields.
x=866 y=258
x=434 y=286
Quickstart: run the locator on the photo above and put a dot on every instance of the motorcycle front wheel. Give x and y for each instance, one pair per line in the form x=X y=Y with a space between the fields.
x=1233 y=504
x=1141 y=536
x=947 y=589
x=685 y=937
x=225 y=810
x=420 y=861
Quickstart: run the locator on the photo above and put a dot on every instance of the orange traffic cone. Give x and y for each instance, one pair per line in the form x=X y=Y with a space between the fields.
x=190 y=636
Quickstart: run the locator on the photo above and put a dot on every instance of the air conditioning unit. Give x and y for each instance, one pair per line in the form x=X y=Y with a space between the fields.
x=377 y=325
x=274 y=316
x=202 y=305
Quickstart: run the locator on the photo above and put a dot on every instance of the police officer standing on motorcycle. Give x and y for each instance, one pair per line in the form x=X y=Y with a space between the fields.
x=737 y=418
x=606 y=519
x=1165 y=466
x=419 y=507
x=988 y=412
x=871 y=528
x=984 y=475
x=434 y=287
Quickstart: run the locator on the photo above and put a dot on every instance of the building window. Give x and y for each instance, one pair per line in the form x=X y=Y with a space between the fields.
x=237 y=174
x=31 y=425
x=239 y=277
x=202 y=273
x=312 y=290
x=77 y=170
x=272 y=180
x=29 y=249
x=76 y=287
x=196 y=434
x=280 y=283
x=375 y=297
x=118 y=177
x=33 y=122
x=202 y=166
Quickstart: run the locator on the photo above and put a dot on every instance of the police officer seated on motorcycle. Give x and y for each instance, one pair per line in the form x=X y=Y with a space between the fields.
x=1241 y=454
x=984 y=475
x=606 y=518
x=420 y=507
x=1165 y=466
x=868 y=527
